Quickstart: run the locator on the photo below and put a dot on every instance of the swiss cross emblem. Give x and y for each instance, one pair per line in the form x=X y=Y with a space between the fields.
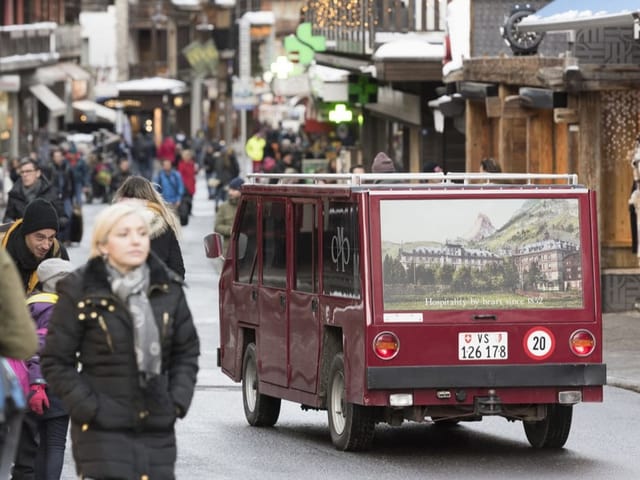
x=467 y=338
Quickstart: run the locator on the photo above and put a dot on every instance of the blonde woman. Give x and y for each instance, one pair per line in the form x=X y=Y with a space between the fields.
x=125 y=319
x=165 y=229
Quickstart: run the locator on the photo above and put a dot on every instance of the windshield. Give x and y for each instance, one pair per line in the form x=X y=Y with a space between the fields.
x=469 y=254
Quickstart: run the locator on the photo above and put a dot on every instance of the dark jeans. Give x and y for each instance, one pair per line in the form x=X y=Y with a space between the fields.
x=40 y=454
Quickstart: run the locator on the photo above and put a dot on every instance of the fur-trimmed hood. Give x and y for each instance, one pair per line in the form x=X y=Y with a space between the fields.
x=152 y=214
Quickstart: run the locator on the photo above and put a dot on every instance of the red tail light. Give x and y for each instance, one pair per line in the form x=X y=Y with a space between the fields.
x=386 y=345
x=582 y=343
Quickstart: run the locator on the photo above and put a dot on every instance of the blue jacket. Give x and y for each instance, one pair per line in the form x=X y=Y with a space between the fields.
x=170 y=186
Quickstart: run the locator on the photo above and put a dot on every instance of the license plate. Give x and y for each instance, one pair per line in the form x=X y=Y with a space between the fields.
x=483 y=346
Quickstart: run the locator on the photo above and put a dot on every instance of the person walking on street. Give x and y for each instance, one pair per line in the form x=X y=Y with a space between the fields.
x=163 y=224
x=18 y=341
x=144 y=153
x=30 y=186
x=188 y=170
x=62 y=180
x=227 y=211
x=167 y=149
x=43 y=434
x=132 y=388
x=124 y=172
x=32 y=239
x=170 y=184
x=227 y=168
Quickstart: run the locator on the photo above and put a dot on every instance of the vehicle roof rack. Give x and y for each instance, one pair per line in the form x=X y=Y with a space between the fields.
x=426 y=180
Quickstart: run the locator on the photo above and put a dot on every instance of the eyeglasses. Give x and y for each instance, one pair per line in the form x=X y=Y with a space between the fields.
x=24 y=172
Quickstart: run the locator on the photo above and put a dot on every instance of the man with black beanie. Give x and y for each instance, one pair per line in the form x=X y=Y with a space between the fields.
x=32 y=239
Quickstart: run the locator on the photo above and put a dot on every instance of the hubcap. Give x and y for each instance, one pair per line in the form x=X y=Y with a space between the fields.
x=251 y=386
x=338 y=404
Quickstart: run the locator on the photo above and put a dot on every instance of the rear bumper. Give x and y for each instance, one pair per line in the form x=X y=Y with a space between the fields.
x=560 y=375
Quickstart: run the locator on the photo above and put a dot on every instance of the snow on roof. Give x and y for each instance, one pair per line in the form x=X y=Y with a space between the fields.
x=566 y=14
x=409 y=49
x=261 y=17
x=189 y=4
x=328 y=74
x=153 y=84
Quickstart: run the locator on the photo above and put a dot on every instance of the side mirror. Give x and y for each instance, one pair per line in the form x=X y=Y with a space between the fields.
x=213 y=245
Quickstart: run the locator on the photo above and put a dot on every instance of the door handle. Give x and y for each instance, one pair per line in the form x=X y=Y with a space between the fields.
x=283 y=301
x=314 y=305
x=254 y=295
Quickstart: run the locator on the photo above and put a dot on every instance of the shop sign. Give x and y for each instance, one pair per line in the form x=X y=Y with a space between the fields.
x=244 y=96
x=10 y=83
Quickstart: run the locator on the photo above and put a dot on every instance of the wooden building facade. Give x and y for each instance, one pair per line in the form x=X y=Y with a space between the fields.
x=578 y=113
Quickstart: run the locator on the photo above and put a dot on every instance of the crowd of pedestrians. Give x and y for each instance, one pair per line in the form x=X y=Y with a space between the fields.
x=135 y=258
x=63 y=314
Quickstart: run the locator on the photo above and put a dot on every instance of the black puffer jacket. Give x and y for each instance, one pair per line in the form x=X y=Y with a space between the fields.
x=119 y=429
x=17 y=201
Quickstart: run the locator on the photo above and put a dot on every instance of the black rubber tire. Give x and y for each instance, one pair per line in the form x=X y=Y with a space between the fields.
x=260 y=410
x=553 y=430
x=352 y=427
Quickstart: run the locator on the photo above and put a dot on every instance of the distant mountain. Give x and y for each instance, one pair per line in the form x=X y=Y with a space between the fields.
x=537 y=220
x=482 y=228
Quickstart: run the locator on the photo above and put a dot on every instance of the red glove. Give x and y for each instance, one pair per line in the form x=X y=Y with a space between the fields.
x=38 y=399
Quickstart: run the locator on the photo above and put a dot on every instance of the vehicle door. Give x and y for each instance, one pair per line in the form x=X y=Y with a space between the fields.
x=273 y=298
x=304 y=329
x=240 y=300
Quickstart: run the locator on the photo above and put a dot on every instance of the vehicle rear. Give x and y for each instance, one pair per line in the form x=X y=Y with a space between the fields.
x=484 y=300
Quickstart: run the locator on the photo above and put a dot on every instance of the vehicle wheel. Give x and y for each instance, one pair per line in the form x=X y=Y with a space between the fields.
x=352 y=426
x=260 y=410
x=552 y=431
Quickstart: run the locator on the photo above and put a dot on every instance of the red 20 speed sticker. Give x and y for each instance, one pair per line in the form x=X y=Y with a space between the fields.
x=539 y=343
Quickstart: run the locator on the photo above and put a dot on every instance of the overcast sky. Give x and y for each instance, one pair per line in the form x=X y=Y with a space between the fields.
x=440 y=220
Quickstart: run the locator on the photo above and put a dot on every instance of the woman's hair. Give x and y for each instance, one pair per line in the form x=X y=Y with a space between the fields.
x=107 y=219
x=139 y=187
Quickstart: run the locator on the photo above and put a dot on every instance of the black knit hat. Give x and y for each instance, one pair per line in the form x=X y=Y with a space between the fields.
x=38 y=215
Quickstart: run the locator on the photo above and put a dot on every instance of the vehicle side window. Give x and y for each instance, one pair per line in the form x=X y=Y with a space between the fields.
x=305 y=247
x=247 y=243
x=274 y=244
x=340 y=250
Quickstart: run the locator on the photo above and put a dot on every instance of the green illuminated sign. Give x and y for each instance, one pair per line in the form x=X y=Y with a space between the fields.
x=301 y=46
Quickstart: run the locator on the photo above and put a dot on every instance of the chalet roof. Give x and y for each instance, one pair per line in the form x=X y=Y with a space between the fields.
x=562 y=15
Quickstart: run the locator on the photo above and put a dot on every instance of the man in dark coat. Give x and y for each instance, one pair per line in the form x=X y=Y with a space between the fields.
x=120 y=429
x=32 y=239
x=32 y=185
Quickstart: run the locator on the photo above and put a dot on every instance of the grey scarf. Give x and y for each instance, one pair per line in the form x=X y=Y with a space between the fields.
x=31 y=192
x=132 y=288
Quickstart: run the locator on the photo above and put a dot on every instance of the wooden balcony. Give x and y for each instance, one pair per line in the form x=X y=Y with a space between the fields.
x=357 y=27
x=27 y=46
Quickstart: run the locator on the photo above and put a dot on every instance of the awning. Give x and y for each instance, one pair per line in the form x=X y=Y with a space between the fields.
x=60 y=72
x=153 y=85
x=561 y=15
x=50 y=100
x=93 y=108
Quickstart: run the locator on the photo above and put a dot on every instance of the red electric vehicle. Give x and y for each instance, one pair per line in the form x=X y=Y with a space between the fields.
x=423 y=297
